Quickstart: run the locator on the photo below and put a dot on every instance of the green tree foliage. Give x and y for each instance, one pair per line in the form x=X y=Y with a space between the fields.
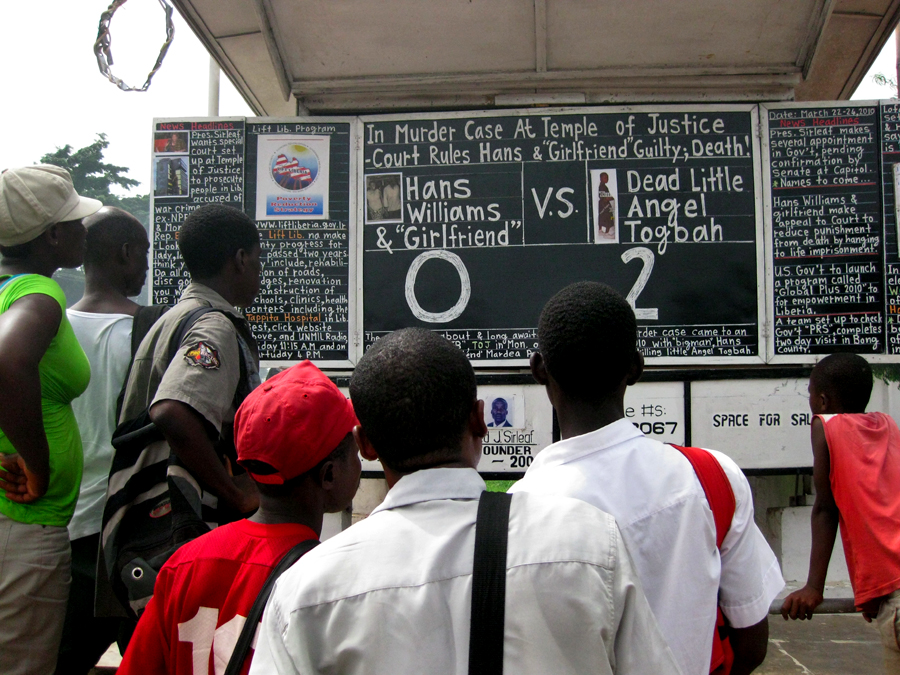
x=93 y=177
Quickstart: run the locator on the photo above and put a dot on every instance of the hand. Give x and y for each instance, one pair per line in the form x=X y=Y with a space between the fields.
x=11 y=475
x=800 y=604
x=870 y=609
x=20 y=484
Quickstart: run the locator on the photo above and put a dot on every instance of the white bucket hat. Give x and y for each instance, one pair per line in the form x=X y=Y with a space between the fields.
x=32 y=198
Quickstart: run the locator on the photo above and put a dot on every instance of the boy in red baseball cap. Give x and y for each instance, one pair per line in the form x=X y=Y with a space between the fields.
x=294 y=436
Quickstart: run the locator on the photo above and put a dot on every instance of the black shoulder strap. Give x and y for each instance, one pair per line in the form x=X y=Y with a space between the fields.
x=144 y=318
x=489 y=585
x=242 y=648
x=185 y=325
x=143 y=321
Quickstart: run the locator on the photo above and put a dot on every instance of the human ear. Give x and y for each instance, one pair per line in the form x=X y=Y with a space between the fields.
x=240 y=260
x=539 y=368
x=365 y=446
x=476 y=420
x=326 y=475
x=52 y=235
x=637 y=368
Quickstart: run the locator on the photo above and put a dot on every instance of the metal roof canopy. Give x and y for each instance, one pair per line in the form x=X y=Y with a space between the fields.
x=291 y=57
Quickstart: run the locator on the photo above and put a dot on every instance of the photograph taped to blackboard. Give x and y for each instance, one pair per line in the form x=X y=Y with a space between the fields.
x=384 y=198
x=501 y=409
x=605 y=197
x=171 y=176
x=292 y=177
x=171 y=141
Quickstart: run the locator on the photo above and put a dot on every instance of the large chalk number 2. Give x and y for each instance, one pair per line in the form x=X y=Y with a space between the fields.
x=204 y=637
x=645 y=255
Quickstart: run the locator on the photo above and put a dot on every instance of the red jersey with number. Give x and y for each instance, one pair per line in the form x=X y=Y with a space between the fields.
x=202 y=597
x=865 y=479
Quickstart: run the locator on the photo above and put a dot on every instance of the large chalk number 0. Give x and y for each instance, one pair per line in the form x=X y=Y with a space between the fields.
x=464 y=294
x=645 y=255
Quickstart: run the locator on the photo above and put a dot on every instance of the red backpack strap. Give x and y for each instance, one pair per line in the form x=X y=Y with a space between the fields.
x=716 y=486
x=720 y=497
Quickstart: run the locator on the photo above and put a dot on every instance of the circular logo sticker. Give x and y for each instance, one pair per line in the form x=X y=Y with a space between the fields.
x=294 y=167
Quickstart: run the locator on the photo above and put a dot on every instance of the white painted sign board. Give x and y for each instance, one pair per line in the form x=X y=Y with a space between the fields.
x=657 y=409
x=760 y=424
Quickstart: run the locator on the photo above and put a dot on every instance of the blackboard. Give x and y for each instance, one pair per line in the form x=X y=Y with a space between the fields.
x=305 y=305
x=195 y=162
x=473 y=221
x=298 y=190
x=890 y=158
x=827 y=238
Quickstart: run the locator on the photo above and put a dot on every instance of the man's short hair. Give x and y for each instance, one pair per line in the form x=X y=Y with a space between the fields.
x=212 y=235
x=846 y=378
x=413 y=392
x=587 y=336
x=107 y=231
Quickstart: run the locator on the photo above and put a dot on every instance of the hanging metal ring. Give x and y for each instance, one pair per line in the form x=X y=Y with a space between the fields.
x=103 y=50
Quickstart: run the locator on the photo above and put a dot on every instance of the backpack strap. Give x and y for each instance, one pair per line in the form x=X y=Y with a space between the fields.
x=489 y=584
x=248 y=632
x=721 y=501
x=716 y=486
x=142 y=322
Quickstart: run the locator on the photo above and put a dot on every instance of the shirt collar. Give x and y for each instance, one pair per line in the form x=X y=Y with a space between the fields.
x=205 y=293
x=430 y=484
x=576 y=447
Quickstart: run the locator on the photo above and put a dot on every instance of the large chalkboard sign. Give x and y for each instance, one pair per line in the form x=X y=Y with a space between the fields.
x=299 y=193
x=739 y=233
x=890 y=158
x=297 y=181
x=195 y=162
x=827 y=262
x=472 y=221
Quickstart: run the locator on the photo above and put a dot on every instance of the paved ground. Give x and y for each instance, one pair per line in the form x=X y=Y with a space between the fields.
x=839 y=644
x=835 y=644
x=842 y=644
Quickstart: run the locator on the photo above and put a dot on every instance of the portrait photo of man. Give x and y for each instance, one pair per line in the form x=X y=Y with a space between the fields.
x=499 y=412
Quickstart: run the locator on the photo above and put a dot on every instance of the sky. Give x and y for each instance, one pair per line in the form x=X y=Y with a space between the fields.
x=54 y=94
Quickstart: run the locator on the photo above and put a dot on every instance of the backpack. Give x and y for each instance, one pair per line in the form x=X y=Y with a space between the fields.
x=720 y=497
x=151 y=509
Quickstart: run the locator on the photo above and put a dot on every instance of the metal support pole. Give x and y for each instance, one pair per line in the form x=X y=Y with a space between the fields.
x=897 y=58
x=828 y=606
x=212 y=109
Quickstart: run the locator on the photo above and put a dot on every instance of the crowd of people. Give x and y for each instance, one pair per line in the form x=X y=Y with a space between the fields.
x=156 y=493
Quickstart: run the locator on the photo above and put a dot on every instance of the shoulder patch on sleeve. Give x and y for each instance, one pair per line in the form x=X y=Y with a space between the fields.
x=203 y=354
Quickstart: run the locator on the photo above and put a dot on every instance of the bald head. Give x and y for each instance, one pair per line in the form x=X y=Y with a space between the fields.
x=116 y=249
x=107 y=231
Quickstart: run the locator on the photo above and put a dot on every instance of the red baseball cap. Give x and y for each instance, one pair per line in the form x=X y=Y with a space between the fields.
x=292 y=422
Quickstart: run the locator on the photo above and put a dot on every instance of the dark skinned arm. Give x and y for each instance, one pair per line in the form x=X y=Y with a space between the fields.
x=800 y=604
x=26 y=330
x=749 y=645
x=185 y=431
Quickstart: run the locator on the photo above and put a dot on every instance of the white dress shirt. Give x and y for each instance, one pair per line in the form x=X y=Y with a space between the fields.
x=392 y=594
x=652 y=491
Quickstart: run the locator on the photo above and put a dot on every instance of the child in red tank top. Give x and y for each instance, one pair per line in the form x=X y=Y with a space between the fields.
x=856 y=471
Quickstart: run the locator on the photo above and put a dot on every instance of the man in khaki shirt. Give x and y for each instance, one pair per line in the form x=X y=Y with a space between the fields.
x=192 y=400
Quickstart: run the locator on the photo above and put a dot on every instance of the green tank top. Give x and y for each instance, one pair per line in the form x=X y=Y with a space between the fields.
x=65 y=373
